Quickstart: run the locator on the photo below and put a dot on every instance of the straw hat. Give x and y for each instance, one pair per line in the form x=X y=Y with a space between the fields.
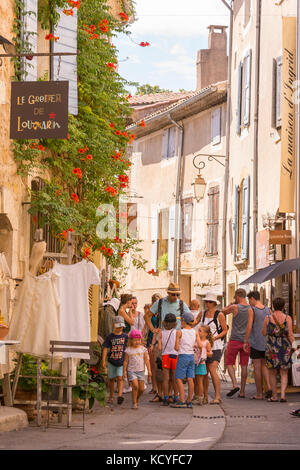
x=173 y=288
x=211 y=297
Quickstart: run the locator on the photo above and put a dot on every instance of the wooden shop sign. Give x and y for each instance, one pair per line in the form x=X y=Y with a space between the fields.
x=280 y=237
x=39 y=110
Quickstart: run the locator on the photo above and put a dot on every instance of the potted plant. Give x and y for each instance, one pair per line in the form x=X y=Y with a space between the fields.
x=96 y=388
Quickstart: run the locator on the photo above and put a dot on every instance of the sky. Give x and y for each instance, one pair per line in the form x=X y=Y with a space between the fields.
x=176 y=30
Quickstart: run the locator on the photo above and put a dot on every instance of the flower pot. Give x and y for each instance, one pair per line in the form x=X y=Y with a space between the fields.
x=3 y=332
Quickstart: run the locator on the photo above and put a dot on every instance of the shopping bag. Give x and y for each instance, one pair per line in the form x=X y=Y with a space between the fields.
x=296 y=374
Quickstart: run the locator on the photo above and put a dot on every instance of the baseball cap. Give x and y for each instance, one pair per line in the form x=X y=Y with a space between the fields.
x=119 y=321
x=135 y=334
x=188 y=317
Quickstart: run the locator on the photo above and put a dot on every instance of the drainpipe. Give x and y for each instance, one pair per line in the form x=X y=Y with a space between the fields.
x=297 y=208
x=178 y=198
x=256 y=117
x=226 y=175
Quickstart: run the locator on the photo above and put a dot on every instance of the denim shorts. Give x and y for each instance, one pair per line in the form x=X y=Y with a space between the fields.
x=136 y=375
x=114 y=371
x=200 y=369
x=185 y=367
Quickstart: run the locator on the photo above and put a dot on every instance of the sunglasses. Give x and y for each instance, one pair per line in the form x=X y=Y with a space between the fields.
x=175 y=295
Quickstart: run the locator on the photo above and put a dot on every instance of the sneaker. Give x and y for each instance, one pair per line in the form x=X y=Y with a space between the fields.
x=197 y=401
x=120 y=400
x=178 y=404
x=189 y=404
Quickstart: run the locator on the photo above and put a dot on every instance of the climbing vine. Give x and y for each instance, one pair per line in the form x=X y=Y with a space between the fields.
x=87 y=172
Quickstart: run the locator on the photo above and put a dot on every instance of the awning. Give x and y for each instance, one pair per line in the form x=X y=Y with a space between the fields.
x=272 y=271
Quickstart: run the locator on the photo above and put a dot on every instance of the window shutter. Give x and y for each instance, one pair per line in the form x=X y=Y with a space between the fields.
x=235 y=224
x=171 y=143
x=245 y=220
x=278 y=91
x=247 y=92
x=66 y=30
x=274 y=90
x=216 y=198
x=29 y=37
x=216 y=126
x=209 y=223
x=154 y=238
x=171 y=242
x=239 y=100
x=165 y=144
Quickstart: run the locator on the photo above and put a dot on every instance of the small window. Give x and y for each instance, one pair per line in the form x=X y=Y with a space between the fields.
x=169 y=143
x=216 y=126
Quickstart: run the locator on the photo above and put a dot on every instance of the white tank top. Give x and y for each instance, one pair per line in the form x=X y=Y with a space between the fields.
x=187 y=341
x=168 y=344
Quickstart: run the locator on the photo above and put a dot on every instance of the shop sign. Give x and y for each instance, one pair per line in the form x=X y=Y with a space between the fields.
x=280 y=237
x=39 y=110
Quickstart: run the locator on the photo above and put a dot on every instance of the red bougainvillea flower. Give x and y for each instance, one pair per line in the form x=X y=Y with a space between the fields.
x=129 y=96
x=75 y=197
x=124 y=134
x=74 y=4
x=87 y=252
x=123 y=16
x=111 y=190
x=41 y=147
x=64 y=233
x=123 y=178
x=58 y=192
x=151 y=272
x=118 y=240
x=69 y=12
x=111 y=65
x=33 y=145
x=109 y=251
x=81 y=151
x=112 y=125
x=103 y=248
x=142 y=123
x=77 y=172
x=117 y=132
x=94 y=36
x=89 y=157
x=50 y=37
x=144 y=44
x=121 y=254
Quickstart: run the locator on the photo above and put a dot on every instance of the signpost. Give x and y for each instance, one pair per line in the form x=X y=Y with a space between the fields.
x=39 y=110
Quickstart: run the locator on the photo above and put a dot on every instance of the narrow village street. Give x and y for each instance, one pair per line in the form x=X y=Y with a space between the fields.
x=241 y=424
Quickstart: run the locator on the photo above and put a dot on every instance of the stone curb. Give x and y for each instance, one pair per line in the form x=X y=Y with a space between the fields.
x=12 y=419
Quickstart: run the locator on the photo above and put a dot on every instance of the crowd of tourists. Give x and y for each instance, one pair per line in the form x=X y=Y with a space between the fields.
x=173 y=344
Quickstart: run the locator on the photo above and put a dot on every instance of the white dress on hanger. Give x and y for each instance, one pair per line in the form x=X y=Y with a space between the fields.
x=35 y=319
x=74 y=281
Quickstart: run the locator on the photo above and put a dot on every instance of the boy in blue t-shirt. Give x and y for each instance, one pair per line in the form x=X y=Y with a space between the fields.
x=114 y=351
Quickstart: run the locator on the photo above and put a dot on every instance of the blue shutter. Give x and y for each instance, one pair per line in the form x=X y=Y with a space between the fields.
x=171 y=241
x=239 y=100
x=154 y=238
x=245 y=219
x=247 y=91
x=29 y=37
x=66 y=30
x=235 y=225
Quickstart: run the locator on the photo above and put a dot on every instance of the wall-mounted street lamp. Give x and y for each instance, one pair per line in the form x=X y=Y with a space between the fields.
x=200 y=183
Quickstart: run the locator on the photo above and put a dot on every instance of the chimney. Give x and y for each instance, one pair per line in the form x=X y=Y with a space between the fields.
x=212 y=63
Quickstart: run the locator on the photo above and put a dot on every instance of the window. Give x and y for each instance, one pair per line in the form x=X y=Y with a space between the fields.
x=168 y=150
x=187 y=225
x=162 y=238
x=213 y=220
x=244 y=93
x=241 y=220
x=277 y=92
x=216 y=126
x=163 y=233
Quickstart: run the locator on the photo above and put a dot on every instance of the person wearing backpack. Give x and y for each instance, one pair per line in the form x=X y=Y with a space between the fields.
x=215 y=319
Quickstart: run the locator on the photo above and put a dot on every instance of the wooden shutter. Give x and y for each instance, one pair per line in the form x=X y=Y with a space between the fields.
x=187 y=225
x=247 y=90
x=278 y=91
x=235 y=224
x=154 y=236
x=29 y=37
x=171 y=241
x=239 y=99
x=213 y=220
x=165 y=144
x=245 y=218
x=216 y=126
x=66 y=30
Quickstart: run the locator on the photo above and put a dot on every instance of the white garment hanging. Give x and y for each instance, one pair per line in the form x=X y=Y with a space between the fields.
x=74 y=281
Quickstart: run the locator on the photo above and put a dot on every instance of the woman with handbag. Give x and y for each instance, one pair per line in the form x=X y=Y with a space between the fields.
x=279 y=348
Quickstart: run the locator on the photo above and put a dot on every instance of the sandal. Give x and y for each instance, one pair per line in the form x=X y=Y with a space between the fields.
x=271 y=400
x=156 y=399
x=268 y=394
x=232 y=392
x=255 y=398
x=153 y=391
x=283 y=400
x=216 y=401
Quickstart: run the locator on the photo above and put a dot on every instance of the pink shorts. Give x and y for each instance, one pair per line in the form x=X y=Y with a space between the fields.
x=233 y=348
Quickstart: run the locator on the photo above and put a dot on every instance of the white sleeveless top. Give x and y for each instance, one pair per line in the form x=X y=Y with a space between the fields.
x=187 y=341
x=168 y=344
